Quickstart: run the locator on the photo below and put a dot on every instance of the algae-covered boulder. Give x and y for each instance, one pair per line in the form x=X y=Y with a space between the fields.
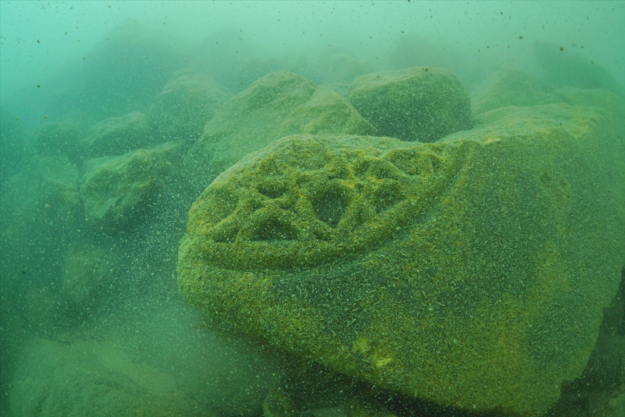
x=472 y=272
x=91 y=379
x=509 y=86
x=277 y=105
x=118 y=191
x=422 y=103
x=187 y=102
x=118 y=135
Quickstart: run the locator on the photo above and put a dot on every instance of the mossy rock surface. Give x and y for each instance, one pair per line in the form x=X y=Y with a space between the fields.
x=417 y=104
x=118 y=191
x=277 y=105
x=472 y=272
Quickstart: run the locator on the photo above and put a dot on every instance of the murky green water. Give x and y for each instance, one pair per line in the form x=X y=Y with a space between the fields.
x=116 y=116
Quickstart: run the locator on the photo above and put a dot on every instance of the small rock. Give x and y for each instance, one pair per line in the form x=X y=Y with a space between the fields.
x=418 y=104
x=119 y=190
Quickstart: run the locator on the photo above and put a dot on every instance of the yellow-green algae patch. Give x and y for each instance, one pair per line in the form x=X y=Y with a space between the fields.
x=471 y=272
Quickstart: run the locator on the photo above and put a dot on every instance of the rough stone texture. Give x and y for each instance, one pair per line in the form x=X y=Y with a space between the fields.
x=277 y=105
x=91 y=379
x=118 y=135
x=118 y=191
x=471 y=272
x=187 y=102
x=509 y=86
x=420 y=103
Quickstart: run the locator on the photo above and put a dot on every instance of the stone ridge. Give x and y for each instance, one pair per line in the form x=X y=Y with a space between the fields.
x=315 y=199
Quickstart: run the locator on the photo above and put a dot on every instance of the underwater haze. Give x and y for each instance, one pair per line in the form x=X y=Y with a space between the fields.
x=46 y=46
x=328 y=208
